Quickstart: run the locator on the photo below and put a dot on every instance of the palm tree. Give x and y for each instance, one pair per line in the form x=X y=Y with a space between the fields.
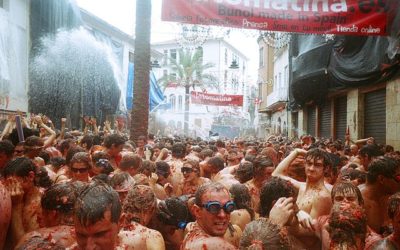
x=140 y=109
x=189 y=71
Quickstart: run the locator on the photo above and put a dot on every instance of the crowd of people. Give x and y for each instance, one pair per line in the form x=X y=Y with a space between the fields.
x=96 y=189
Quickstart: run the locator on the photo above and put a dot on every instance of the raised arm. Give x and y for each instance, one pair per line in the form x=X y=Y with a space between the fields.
x=87 y=124
x=62 y=130
x=49 y=141
x=95 y=128
x=281 y=169
x=9 y=126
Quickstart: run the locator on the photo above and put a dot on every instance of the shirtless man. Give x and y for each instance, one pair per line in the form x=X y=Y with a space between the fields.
x=80 y=167
x=171 y=218
x=6 y=153
x=212 y=167
x=130 y=163
x=263 y=168
x=191 y=178
x=138 y=209
x=56 y=220
x=366 y=154
x=5 y=215
x=239 y=174
x=96 y=215
x=383 y=180
x=243 y=213
x=212 y=211
x=394 y=215
x=114 y=144
x=178 y=152
x=344 y=194
x=19 y=180
x=233 y=158
x=313 y=197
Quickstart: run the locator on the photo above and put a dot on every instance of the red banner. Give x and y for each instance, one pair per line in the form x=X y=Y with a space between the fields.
x=216 y=100
x=341 y=17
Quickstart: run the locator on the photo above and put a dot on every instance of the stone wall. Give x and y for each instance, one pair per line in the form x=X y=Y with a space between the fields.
x=393 y=113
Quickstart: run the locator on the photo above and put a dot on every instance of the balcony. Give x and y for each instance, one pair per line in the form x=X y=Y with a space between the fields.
x=277 y=99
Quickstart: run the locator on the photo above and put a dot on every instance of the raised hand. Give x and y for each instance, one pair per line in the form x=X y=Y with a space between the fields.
x=15 y=189
x=282 y=211
x=153 y=178
x=305 y=220
x=38 y=120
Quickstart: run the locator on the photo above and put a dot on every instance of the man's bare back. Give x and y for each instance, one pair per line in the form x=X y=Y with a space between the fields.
x=5 y=215
x=136 y=236
x=63 y=235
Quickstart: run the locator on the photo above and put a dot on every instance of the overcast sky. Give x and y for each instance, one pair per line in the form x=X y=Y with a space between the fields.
x=121 y=14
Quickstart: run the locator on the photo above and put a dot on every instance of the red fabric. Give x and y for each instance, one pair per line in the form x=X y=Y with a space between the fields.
x=351 y=17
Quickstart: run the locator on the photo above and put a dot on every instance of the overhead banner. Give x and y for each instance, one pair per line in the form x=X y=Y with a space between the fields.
x=216 y=100
x=341 y=17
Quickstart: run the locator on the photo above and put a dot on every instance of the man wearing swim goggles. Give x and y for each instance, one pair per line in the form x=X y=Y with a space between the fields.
x=212 y=209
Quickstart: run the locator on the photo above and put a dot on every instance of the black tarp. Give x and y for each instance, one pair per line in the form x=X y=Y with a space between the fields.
x=320 y=66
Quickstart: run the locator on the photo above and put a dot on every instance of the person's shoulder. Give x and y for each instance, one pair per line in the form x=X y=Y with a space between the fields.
x=153 y=234
x=242 y=214
x=204 y=180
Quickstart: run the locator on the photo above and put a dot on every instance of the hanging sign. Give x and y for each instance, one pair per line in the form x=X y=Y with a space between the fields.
x=341 y=17
x=216 y=99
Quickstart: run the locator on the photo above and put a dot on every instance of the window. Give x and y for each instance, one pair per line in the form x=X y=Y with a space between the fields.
x=280 y=80
x=226 y=56
x=1 y=4
x=235 y=58
x=131 y=55
x=165 y=73
x=180 y=103
x=173 y=76
x=173 y=53
x=261 y=59
x=286 y=76
x=172 y=100
x=165 y=58
x=225 y=76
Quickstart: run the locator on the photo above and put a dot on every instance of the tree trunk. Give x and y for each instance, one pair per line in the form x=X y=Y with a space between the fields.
x=186 y=115
x=140 y=109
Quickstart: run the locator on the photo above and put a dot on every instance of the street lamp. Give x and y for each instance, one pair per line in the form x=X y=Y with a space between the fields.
x=155 y=64
x=234 y=65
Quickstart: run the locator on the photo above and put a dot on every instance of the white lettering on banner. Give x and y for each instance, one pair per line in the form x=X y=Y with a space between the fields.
x=213 y=98
x=346 y=29
x=248 y=24
x=284 y=5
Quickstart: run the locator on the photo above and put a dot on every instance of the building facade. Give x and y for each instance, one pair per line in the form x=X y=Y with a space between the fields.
x=230 y=81
x=273 y=89
x=367 y=109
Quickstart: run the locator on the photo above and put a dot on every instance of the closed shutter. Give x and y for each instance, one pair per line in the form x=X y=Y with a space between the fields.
x=325 y=120
x=375 y=115
x=311 y=116
x=340 y=117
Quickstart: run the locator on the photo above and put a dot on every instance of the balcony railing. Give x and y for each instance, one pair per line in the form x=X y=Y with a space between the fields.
x=279 y=95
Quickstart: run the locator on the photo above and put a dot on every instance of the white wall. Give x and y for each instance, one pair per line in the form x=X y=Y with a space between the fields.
x=14 y=40
x=214 y=52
